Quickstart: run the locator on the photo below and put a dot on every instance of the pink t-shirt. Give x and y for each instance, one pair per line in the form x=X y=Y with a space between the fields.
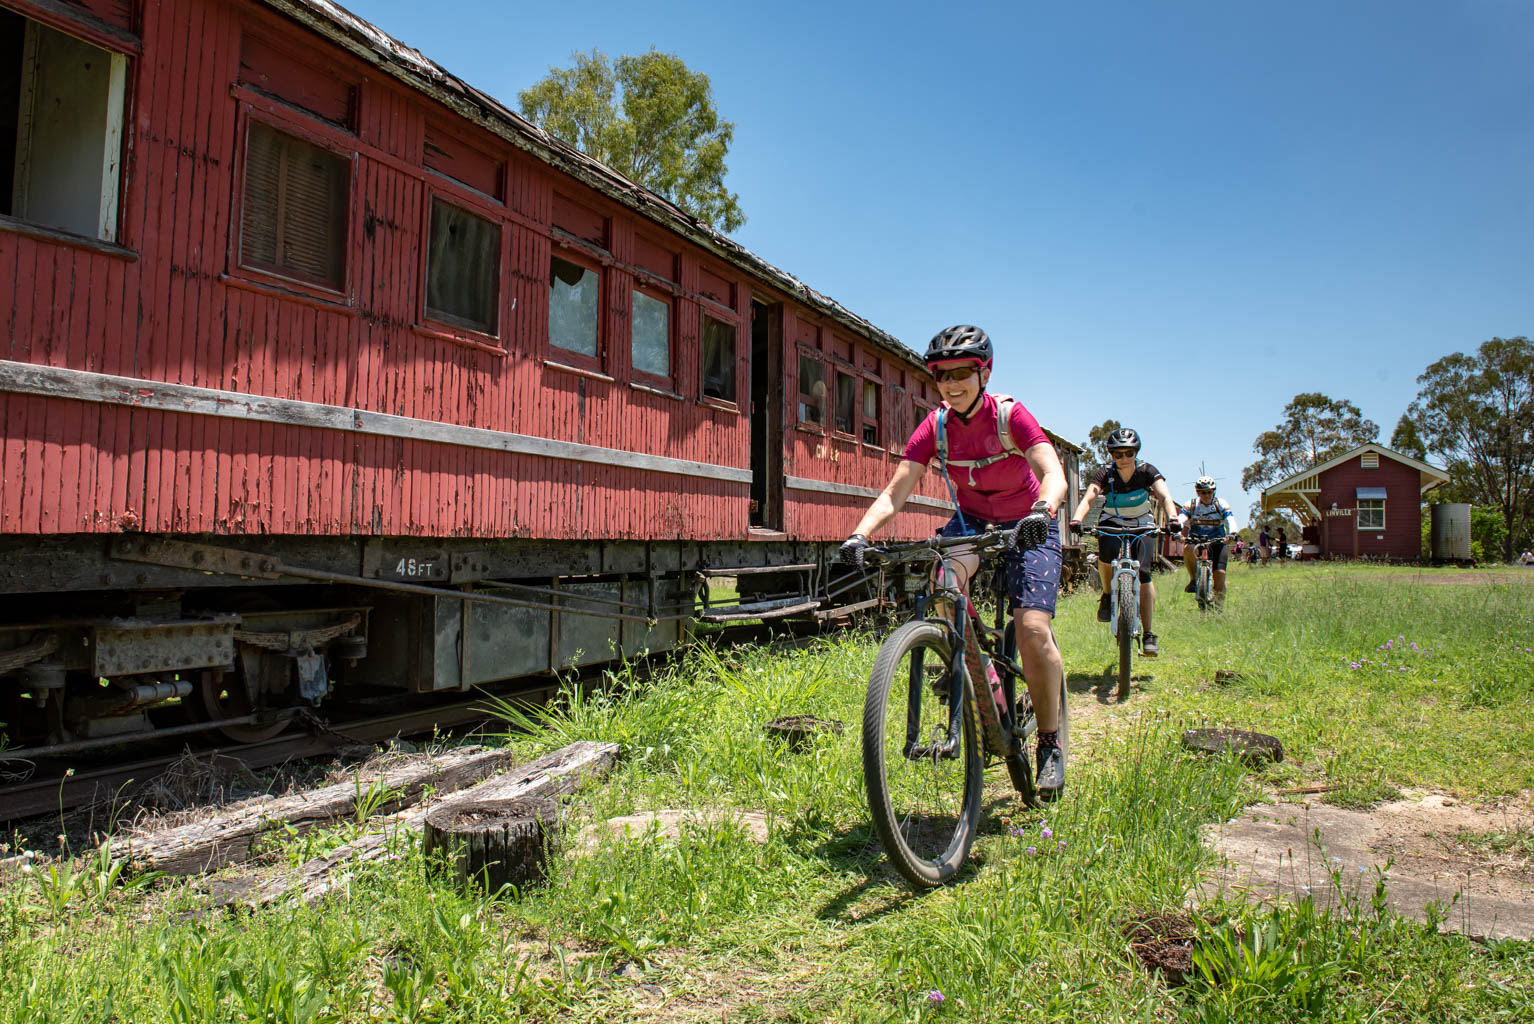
x=998 y=493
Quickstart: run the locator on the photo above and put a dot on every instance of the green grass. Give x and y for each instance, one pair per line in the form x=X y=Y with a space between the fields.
x=812 y=926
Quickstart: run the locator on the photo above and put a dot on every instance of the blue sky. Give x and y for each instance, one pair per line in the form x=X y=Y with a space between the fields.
x=1178 y=215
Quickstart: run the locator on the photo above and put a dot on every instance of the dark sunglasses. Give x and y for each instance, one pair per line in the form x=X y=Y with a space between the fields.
x=957 y=373
x=1123 y=453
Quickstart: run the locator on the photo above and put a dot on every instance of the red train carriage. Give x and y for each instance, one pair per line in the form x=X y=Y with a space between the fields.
x=325 y=369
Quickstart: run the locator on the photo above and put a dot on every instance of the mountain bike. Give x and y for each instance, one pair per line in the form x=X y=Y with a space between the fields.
x=943 y=698
x=1203 y=573
x=1124 y=621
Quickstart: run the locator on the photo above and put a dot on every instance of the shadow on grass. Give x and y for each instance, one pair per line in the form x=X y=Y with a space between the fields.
x=1103 y=686
x=855 y=850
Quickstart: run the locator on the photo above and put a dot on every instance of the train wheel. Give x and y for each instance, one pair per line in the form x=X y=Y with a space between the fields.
x=217 y=696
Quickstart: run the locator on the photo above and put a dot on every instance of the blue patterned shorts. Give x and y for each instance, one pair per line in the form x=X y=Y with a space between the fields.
x=1033 y=577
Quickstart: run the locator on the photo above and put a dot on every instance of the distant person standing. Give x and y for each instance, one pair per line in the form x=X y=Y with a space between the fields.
x=1283 y=545
x=1264 y=545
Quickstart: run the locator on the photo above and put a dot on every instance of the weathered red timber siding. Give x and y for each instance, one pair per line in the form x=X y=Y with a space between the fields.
x=1402 y=536
x=171 y=303
x=821 y=453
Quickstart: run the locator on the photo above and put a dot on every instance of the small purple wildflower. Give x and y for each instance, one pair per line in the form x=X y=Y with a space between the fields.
x=1032 y=850
x=1062 y=844
x=935 y=996
x=1362 y=869
x=1047 y=834
x=1016 y=832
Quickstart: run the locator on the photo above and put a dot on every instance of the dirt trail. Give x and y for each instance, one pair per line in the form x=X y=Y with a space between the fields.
x=1436 y=847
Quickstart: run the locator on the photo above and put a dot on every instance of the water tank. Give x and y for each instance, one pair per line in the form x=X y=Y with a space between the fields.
x=1450 y=537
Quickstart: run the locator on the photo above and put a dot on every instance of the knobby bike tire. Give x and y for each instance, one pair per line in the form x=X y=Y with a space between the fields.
x=925 y=810
x=1126 y=598
x=1205 y=586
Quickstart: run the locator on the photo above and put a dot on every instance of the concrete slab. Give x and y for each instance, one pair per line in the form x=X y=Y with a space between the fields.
x=1437 y=849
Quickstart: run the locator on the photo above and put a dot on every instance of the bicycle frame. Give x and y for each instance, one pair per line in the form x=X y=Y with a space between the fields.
x=1125 y=565
x=934 y=551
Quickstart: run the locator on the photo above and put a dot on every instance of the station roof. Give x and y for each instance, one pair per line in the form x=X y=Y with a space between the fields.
x=1300 y=492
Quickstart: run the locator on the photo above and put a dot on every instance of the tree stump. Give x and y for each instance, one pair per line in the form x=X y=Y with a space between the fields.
x=493 y=844
x=1253 y=748
x=798 y=731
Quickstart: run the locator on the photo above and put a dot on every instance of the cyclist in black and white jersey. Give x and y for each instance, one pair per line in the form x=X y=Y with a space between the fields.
x=1131 y=491
x=1207 y=516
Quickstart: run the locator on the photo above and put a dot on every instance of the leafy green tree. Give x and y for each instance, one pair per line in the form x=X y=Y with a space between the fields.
x=1406 y=440
x=1315 y=428
x=1476 y=412
x=651 y=119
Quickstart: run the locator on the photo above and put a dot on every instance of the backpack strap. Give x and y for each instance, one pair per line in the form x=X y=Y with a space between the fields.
x=1009 y=447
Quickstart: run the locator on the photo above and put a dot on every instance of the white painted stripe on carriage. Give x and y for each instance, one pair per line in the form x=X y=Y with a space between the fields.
x=804 y=483
x=88 y=386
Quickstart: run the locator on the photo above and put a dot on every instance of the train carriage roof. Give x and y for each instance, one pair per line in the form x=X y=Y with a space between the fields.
x=415 y=69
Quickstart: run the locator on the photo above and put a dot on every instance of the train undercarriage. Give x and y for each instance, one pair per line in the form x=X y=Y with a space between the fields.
x=110 y=642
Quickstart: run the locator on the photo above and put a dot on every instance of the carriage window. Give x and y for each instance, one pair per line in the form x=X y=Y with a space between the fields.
x=61 y=123
x=294 y=220
x=652 y=335
x=870 y=412
x=718 y=360
x=1371 y=513
x=462 y=265
x=573 y=307
x=846 y=403
x=812 y=391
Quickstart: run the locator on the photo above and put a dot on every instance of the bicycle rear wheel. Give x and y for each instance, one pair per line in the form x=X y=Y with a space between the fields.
x=925 y=799
x=1126 y=599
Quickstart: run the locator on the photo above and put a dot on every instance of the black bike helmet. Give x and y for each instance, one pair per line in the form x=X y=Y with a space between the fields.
x=1124 y=437
x=961 y=342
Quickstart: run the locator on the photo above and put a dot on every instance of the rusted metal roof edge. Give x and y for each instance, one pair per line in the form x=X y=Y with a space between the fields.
x=424 y=75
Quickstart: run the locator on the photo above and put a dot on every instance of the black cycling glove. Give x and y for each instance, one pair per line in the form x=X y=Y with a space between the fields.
x=851 y=551
x=1033 y=529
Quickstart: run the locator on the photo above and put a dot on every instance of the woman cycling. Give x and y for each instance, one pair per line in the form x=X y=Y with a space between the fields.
x=999 y=478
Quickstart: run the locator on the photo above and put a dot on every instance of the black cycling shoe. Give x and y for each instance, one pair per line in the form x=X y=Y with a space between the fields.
x=1148 y=646
x=1050 y=778
x=1191 y=588
x=1105 y=608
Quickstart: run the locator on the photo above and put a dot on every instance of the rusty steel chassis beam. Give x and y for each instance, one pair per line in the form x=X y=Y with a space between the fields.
x=229 y=561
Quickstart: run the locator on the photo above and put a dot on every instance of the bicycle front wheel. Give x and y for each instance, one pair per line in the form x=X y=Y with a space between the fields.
x=1205 y=586
x=1126 y=624
x=921 y=759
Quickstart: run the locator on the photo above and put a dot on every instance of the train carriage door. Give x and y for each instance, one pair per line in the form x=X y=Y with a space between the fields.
x=766 y=416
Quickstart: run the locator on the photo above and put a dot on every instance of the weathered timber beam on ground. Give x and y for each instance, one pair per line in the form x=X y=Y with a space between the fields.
x=551 y=775
x=227 y=838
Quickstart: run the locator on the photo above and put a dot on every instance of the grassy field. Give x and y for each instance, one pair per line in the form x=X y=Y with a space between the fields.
x=1375 y=681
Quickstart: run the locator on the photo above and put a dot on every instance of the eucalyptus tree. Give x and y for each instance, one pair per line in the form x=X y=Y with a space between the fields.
x=648 y=117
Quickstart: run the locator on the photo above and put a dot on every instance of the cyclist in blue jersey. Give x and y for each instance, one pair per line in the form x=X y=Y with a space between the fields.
x=1207 y=516
x=1131 y=491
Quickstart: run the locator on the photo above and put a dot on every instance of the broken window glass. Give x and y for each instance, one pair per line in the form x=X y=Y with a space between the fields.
x=573 y=306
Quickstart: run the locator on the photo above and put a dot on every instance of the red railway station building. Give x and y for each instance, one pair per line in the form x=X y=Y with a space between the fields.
x=1364 y=503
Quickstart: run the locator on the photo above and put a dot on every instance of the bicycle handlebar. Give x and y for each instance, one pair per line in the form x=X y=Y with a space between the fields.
x=933 y=548
x=1129 y=531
